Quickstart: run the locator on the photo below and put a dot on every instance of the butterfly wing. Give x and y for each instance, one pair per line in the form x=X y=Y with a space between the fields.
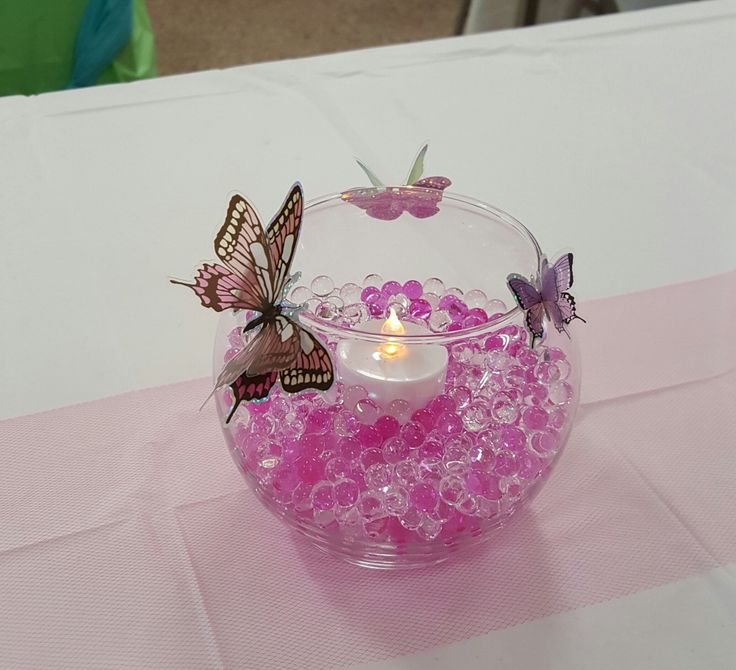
x=247 y=388
x=563 y=272
x=384 y=205
x=312 y=368
x=218 y=288
x=241 y=245
x=282 y=238
x=535 y=321
x=525 y=293
x=437 y=183
x=417 y=167
x=274 y=348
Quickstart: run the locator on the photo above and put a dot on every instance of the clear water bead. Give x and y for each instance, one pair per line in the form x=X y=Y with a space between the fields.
x=400 y=410
x=367 y=411
x=475 y=298
x=350 y=293
x=301 y=294
x=432 y=298
x=560 y=393
x=439 y=321
x=355 y=314
x=495 y=307
x=503 y=408
x=396 y=500
x=378 y=476
x=322 y=285
x=373 y=280
x=476 y=416
x=434 y=285
x=352 y=395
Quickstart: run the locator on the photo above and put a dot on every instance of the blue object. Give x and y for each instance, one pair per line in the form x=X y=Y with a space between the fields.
x=106 y=28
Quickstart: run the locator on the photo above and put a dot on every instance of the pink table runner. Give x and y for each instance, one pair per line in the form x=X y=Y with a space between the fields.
x=128 y=537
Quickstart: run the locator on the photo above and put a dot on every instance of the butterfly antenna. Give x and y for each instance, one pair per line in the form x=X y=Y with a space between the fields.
x=207 y=399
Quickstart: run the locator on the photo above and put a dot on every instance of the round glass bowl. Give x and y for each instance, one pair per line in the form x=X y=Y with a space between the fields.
x=443 y=421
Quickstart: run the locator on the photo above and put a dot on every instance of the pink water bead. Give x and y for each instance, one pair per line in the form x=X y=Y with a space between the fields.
x=387 y=426
x=310 y=469
x=369 y=437
x=319 y=421
x=349 y=448
x=323 y=496
x=370 y=294
x=370 y=457
x=412 y=289
x=420 y=309
x=495 y=342
x=423 y=497
x=390 y=288
x=545 y=442
x=534 y=418
x=529 y=466
x=506 y=464
x=512 y=438
x=413 y=434
x=425 y=418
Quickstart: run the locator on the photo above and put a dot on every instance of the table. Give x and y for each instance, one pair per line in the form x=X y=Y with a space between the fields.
x=120 y=542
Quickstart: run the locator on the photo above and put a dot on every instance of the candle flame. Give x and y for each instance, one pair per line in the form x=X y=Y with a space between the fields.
x=392 y=326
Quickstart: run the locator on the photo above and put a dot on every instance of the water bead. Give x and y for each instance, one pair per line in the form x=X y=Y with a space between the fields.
x=487 y=509
x=319 y=421
x=473 y=320
x=432 y=298
x=370 y=294
x=439 y=321
x=495 y=342
x=557 y=418
x=506 y=463
x=369 y=437
x=387 y=426
x=512 y=438
x=355 y=314
x=285 y=479
x=367 y=411
x=411 y=519
x=300 y=295
x=292 y=425
x=429 y=528
x=323 y=496
x=475 y=298
x=407 y=472
x=476 y=415
x=400 y=304
x=431 y=449
x=441 y=403
x=455 y=460
x=346 y=424
x=400 y=410
x=503 y=408
x=322 y=285
x=326 y=310
x=481 y=457
x=452 y=489
x=395 y=449
x=496 y=307
x=454 y=290
x=510 y=488
x=396 y=500
x=564 y=367
x=390 y=288
x=448 y=423
x=378 y=476
x=370 y=505
x=370 y=457
x=373 y=280
x=324 y=517
x=454 y=326
x=468 y=506
x=423 y=496
x=420 y=309
x=352 y=395
x=425 y=418
x=412 y=289
x=547 y=373
x=560 y=393
x=545 y=442
x=337 y=468
x=349 y=448
x=527 y=357
x=497 y=361
x=301 y=497
x=462 y=352
x=554 y=355
x=350 y=293
x=529 y=466
x=460 y=395
x=534 y=418
x=377 y=310
x=413 y=434
x=434 y=285
x=311 y=469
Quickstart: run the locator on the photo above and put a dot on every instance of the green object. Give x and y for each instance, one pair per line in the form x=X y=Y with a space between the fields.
x=38 y=40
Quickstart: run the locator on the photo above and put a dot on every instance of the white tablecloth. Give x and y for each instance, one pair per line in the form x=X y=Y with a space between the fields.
x=613 y=136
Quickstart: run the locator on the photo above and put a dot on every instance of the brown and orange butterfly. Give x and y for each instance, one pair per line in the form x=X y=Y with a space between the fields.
x=254 y=276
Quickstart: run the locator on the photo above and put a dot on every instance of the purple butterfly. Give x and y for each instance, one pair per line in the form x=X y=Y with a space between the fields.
x=254 y=276
x=547 y=296
x=419 y=196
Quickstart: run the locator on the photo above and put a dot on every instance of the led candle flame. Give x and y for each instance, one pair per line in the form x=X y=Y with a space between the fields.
x=392 y=348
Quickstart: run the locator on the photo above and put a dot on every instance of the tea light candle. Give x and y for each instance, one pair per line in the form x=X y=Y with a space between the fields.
x=391 y=370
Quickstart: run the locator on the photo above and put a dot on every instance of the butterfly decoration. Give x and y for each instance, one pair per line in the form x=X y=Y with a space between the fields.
x=418 y=196
x=254 y=275
x=546 y=296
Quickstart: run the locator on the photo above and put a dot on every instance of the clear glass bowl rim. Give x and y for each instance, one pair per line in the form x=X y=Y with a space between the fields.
x=319 y=325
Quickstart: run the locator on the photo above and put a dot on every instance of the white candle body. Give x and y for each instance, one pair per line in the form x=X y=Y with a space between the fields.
x=416 y=375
